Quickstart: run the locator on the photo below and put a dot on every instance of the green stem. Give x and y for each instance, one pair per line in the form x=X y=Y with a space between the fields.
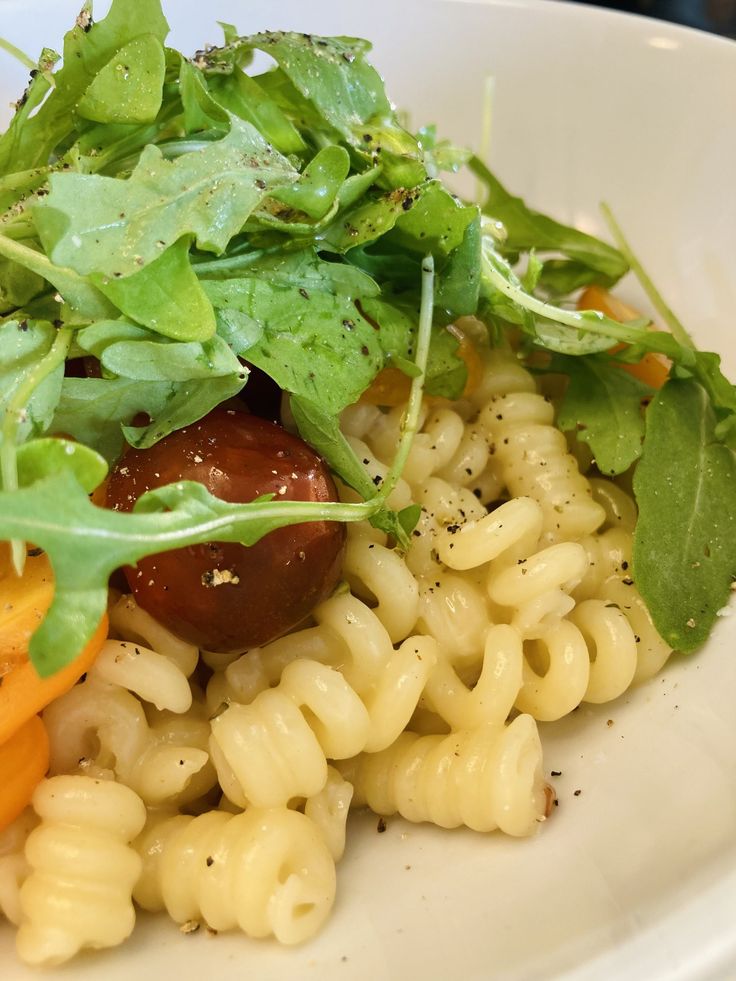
x=15 y=412
x=75 y=290
x=231 y=263
x=655 y=297
x=500 y=275
x=410 y=422
x=21 y=56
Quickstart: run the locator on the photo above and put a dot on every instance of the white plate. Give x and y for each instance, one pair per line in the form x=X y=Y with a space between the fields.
x=636 y=876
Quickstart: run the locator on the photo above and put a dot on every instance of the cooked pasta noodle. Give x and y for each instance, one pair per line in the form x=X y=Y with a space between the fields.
x=379 y=575
x=267 y=871
x=277 y=747
x=535 y=459
x=484 y=778
x=100 y=727
x=492 y=696
x=14 y=867
x=78 y=892
x=328 y=811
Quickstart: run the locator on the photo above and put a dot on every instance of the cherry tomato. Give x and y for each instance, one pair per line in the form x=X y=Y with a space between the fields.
x=225 y=596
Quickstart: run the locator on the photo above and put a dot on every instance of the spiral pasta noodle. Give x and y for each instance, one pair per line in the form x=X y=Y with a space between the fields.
x=277 y=746
x=267 y=871
x=100 y=726
x=78 y=893
x=535 y=460
x=14 y=867
x=484 y=778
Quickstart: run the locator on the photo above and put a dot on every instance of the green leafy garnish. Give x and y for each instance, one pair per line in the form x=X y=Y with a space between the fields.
x=685 y=539
x=602 y=405
x=167 y=224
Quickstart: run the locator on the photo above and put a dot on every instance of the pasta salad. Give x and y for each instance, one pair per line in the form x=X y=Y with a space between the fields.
x=327 y=485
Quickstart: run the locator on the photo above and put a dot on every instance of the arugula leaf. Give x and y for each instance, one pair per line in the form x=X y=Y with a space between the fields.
x=128 y=89
x=332 y=75
x=591 y=260
x=244 y=97
x=368 y=220
x=436 y=221
x=303 y=321
x=423 y=218
x=115 y=227
x=201 y=111
x=316 y=190
x=561 y=330
x=27 y=403
x=86 y=52
x=18 y=285
x=685 y=539
x=165 y=295
x=446 y=372
x=602 y=405
x=441 y=154
x=22 y=345
x=313 y=343
x=150 y=360
x=100 y=411
x=13 y=141
x=323 y=433
x=47 y=456
x=85 y=544
x=458 y=277
x=83 y=299
x=321 y=429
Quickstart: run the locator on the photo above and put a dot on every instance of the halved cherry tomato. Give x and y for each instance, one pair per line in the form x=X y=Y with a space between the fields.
x=224 y=596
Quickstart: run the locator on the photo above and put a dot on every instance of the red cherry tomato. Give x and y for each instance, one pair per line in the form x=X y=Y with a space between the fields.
x=224 y=596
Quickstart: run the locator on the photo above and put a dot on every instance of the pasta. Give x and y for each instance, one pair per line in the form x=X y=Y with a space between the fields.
x=485 y=778
x=82 y=870
x=14 y=867
x=414 y=689
x=100 y=726
x=267 y=871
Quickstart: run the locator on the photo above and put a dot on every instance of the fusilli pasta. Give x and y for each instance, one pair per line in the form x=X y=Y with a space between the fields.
x=267 y=871
x=78 y=892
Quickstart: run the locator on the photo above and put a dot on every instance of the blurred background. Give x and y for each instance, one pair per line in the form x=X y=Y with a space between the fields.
x=716 y=16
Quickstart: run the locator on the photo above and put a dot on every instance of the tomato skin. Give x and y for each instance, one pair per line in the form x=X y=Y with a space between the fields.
x=269 y=587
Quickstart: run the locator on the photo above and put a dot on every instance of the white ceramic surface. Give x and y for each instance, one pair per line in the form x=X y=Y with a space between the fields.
x=636 y=876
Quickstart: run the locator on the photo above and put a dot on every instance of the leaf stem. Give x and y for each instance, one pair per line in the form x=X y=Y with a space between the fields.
x=230 y=263
x=410 y=422
x=15 y=412
x=21 y=56
x=500 y=275
x=655 y=297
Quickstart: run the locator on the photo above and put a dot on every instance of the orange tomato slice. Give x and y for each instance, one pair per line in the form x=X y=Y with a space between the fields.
x=24 y=760
x=391 y=386
x=653 y=369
